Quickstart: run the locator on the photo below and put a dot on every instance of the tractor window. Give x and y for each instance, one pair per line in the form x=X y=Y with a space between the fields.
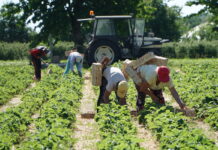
x=138 y=33
x=123 y=29
x=139 y=27
x=105 y=27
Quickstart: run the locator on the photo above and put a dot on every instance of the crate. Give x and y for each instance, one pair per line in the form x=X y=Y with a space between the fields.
x=133 y=74
x=126 y=63
x=158 y=60
x=149 y=58
x=142 y=60
x=96 y=74
x=130 y=67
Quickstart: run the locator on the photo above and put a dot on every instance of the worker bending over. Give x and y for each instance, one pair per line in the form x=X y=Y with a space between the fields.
x=36 y=56
x=74 y=58
x=154 y=79
x=112 y=80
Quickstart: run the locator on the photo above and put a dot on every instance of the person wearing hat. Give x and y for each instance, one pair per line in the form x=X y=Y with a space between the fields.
x=74 y=58
x=36 y=56
x=154 y=79
x=112 y=80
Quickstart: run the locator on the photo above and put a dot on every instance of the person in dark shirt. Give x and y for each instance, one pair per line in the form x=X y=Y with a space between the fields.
x=36 y=55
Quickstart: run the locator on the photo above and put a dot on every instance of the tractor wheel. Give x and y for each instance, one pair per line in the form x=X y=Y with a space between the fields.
x=101 y=49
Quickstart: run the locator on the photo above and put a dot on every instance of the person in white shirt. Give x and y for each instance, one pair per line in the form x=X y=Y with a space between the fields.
x=154 y=79
x=74 y=58
x=112 y=80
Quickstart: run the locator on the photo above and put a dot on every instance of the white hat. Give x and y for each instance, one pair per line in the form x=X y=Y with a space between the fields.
x=122 y=89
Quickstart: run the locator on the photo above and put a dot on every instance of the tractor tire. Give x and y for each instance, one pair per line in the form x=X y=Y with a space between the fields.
x=103 y=48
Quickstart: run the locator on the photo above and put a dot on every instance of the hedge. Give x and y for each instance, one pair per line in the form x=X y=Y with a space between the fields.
x=13 y=51
x=18 y=51
x=192 y=49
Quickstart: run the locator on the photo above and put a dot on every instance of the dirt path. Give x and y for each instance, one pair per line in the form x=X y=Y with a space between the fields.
x=213 y=135
x=86 y=129
x=148 y=141
x=15 y=101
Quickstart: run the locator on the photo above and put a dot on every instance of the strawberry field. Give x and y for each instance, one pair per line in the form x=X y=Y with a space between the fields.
x=47 y=116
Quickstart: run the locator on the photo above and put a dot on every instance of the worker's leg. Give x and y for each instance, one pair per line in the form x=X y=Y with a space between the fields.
x=102 y=90
x=38 y=69
x=159 y=94
x=79 y=68
x=67 y=67
x=122 y=101
x=34 y=65
x=140 y=99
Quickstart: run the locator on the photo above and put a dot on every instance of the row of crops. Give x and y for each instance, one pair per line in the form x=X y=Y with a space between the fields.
x=170 y=127
x=56 y=99
x=13 y=80
x=197 y=83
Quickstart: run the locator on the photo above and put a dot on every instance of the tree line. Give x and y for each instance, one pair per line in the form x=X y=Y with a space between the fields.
x=58 y=19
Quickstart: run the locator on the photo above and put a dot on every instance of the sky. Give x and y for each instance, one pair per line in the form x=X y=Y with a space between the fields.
x=186 y=10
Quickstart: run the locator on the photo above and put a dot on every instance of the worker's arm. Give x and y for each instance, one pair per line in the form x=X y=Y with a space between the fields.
x=43 y=61
x=105 y=62
x=177 y=98
x=145 y=87
x=106 y=96
x=187 y=111
x=151 y=94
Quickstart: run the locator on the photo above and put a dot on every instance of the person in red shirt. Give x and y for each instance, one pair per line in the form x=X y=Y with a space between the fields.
x=36 y=55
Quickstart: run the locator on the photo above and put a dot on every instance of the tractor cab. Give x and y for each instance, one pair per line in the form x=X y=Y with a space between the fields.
x=117 y=37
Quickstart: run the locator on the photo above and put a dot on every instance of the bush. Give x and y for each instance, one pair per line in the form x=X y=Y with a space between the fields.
x=17 y=51
x=61 y=47
x=192 y=49
x=13 y=51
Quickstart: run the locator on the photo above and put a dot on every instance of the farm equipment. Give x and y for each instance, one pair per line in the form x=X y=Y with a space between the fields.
x=119 y=37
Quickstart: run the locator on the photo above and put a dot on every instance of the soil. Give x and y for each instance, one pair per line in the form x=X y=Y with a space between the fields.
x=14 y=101
x=86 y=129
x=148 y=141
x=213 y=135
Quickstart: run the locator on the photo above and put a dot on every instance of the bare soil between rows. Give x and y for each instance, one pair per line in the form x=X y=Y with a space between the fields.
x=15 y=101
x=86 y=129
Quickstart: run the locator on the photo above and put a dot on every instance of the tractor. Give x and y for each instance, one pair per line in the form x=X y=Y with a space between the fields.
x=119 y=37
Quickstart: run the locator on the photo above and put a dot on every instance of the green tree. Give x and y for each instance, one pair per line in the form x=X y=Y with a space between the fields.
x=58 y=18
x=210 y=6
x=164 y=21
x=192 y=21
x=12 y=25
x=211 y=31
